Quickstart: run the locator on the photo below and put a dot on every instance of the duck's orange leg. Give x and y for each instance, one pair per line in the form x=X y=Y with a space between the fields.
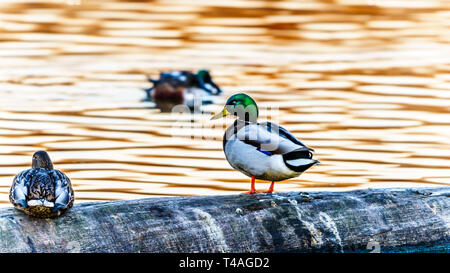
x=270 y=190
x=252 y=187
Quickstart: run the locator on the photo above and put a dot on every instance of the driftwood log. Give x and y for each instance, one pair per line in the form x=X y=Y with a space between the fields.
x=376 y=220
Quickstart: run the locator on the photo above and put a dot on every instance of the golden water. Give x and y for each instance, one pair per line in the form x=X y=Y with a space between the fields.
x=364 y=83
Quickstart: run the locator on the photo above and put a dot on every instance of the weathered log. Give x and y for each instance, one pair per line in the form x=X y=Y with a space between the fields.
x=388 y=220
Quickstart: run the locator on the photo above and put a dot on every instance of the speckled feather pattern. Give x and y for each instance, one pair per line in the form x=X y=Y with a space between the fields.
x=51 y=186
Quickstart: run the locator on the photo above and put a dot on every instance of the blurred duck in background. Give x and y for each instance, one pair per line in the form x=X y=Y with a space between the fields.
x=182 y=87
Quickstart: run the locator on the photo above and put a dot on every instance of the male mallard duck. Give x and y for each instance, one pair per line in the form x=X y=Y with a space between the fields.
x=42 y=191
x=265 y=150
x=182 y=87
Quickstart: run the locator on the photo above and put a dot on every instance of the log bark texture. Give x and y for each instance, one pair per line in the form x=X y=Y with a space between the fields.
x=384 y=220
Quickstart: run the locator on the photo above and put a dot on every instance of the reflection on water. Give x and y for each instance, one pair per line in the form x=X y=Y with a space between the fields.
x=365 y=83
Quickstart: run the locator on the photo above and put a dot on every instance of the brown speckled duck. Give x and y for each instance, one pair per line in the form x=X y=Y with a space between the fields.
x=42 y=191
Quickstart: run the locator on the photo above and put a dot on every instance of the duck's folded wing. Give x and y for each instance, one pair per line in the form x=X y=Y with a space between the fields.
x=63 y=190
x=283 y=133
x=269 y=140
x=19 y=189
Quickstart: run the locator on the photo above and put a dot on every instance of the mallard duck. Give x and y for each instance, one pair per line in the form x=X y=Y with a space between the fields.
x=182 y=87
x=42 y=191
x=264 y=150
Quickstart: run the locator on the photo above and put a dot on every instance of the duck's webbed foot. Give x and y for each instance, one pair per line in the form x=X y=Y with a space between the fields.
x=252 y=188
x=270 y=190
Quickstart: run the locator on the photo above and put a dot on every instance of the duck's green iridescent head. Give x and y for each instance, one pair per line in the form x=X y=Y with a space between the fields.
x=204 y=74
x=206 y=82
x=240 y=105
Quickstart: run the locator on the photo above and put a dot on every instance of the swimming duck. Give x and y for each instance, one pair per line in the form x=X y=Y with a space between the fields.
x=264 y=150
x=42 y=191
x=182 y=87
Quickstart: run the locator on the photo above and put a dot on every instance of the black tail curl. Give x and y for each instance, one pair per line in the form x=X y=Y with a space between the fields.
x=299 y=155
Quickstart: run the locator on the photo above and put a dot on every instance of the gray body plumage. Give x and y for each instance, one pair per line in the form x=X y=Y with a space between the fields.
x=266 y=151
